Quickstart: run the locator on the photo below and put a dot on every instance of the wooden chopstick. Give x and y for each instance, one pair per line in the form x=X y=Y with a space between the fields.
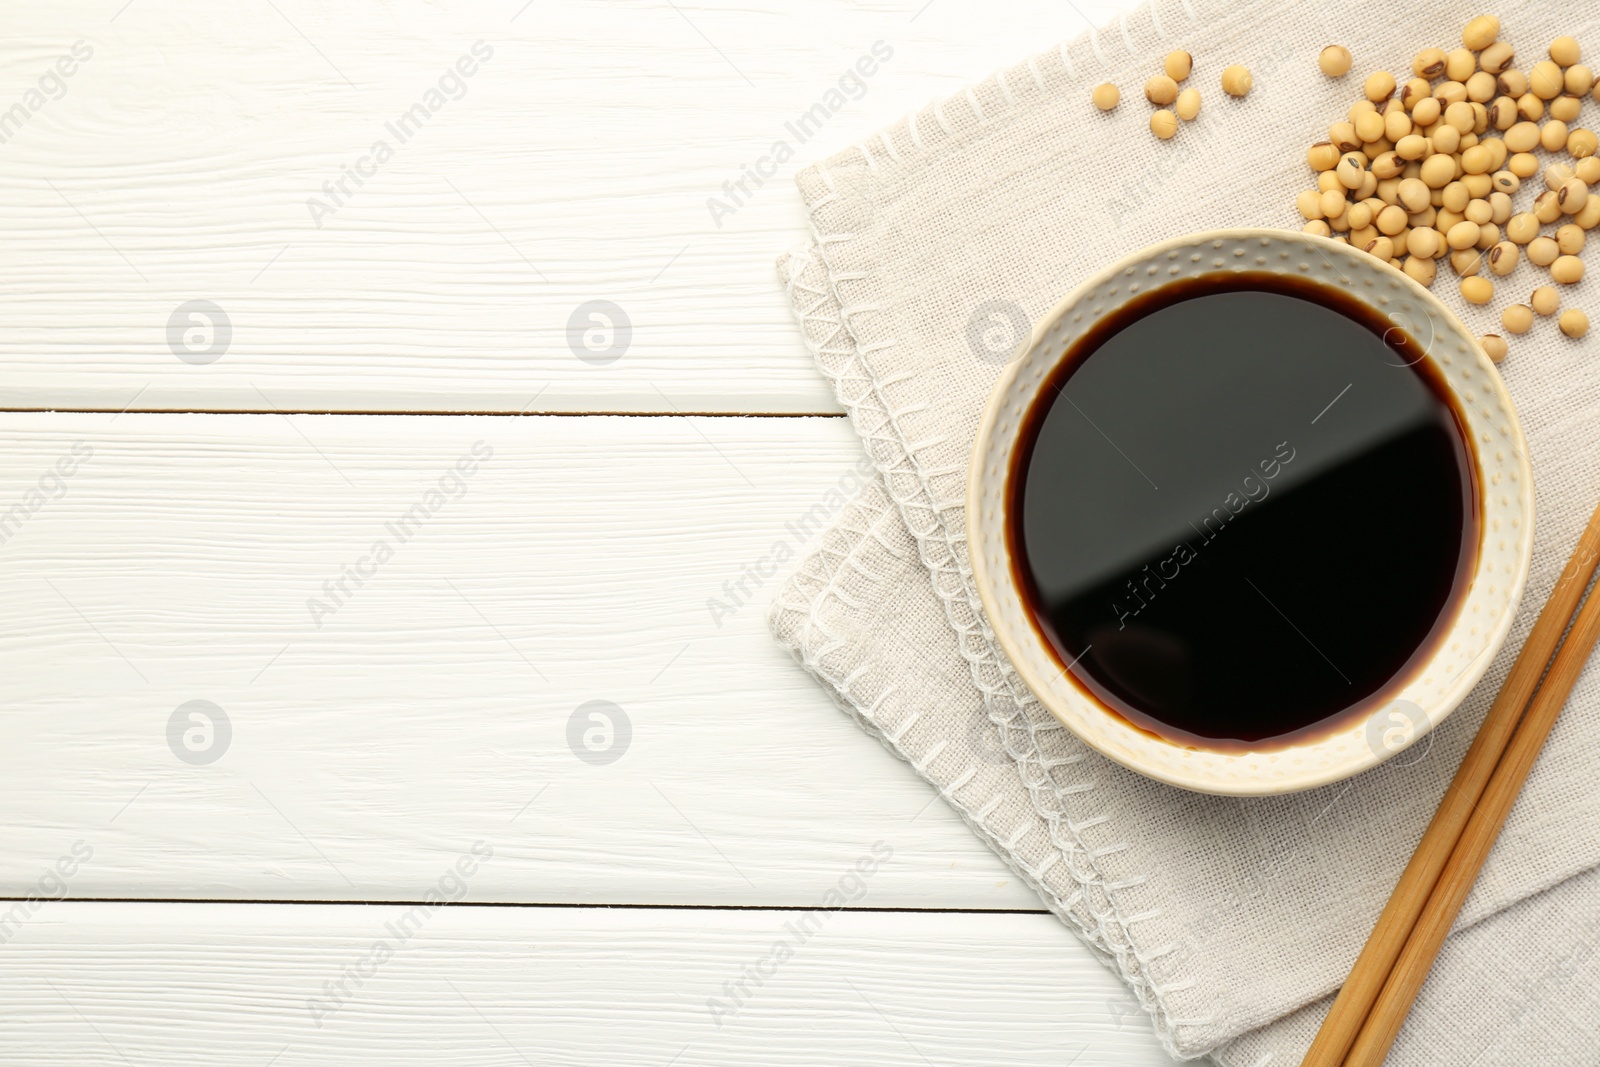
x=1461 y=871
x=1411 y=894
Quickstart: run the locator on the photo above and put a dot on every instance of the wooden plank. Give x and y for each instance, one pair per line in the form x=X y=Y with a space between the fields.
x=114 y=984
x=185 y=160
x=375 y=723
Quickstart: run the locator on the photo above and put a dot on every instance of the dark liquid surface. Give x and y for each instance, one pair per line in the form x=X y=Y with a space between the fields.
x=1243 y=510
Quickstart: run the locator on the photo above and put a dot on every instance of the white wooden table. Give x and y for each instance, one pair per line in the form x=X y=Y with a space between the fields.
x=306 y=623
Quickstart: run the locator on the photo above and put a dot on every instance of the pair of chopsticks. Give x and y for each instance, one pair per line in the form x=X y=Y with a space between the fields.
x=1372 y=1005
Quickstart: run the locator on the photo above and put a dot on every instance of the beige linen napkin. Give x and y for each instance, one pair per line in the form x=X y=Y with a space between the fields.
x=1233 y=920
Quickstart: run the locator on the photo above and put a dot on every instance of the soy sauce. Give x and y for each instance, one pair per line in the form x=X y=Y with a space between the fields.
x=1243 y=510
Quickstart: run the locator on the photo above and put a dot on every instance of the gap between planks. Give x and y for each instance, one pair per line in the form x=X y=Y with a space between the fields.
x=550 y=905
x=435 y=414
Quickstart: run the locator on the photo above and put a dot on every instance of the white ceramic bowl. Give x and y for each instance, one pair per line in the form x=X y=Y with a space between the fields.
x=1482 y=619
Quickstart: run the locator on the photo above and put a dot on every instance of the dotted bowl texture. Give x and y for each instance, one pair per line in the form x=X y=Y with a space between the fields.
x=1505 y=480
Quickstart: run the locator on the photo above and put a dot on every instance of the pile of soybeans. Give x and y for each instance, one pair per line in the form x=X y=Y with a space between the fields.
x=1433 y=169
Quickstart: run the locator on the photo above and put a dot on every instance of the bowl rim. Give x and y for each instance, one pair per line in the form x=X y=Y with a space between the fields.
x=1011 y=644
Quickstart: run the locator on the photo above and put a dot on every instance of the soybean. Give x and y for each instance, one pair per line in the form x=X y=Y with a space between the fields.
x=1481 y=32
x=1460 y=115
x=1429 y=63
x=1335 y=60
x=1542 y=251
x=1161 y=90
x=1494 y=346
x=1557 y=174
x=1565 y=51
x=1446 y=139
x=1481 y=87
x=1464 y=234
x=1437 y=171
x=1411 y=147
x=1413 y=194
x=1391 y=220
x=1396 y=123
x=1518 y=318
x=1567 y=270
x=1323 y=156
x=1566 y=108
x=1466 y=261
x=1178 y=65
x=1236 y=80
x=1523 y=164
x=1546 y=299
x=1424 y=241
x=1522 y=228
x=1352 y=170
x=1420 y=269
x=1164 y=124
x=1188 y=105
x=1497 y=57
x=1105 y=96
x=1477 y=289
x=1459 y=65
x=1478 y=159
x=1546 y=80
x=1388 y=165
x=1523 y=137
x=1503 y=258
x=1573 y=323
